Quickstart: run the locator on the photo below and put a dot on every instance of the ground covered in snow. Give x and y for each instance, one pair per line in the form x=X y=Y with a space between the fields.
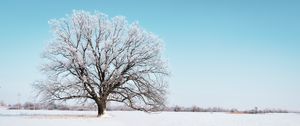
x=133 y=118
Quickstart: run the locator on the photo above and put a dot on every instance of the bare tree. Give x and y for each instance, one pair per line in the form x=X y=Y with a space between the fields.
x=102 y=59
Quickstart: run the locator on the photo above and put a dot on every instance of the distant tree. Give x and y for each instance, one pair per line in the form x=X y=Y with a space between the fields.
x=15 y=106
x=101 y=59
x=29 y=105
x=178 y=108
x=234 y=110
x=195 y=109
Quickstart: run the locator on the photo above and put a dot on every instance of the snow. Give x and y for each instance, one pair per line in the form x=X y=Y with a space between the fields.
x=132 y=118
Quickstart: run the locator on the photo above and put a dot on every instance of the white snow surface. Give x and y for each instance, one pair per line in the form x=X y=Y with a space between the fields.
x=134 y=118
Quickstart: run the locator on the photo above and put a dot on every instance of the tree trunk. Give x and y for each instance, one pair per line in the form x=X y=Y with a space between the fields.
x=101 y=104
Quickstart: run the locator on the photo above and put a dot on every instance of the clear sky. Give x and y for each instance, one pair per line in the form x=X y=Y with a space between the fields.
x=227 y=53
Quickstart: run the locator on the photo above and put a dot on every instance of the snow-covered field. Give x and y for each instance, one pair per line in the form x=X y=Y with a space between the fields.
x=121 y=118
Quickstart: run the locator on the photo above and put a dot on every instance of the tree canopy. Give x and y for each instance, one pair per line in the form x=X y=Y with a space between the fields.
x=94 y=57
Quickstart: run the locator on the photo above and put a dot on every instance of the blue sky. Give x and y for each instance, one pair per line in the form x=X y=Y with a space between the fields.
x=232 y=54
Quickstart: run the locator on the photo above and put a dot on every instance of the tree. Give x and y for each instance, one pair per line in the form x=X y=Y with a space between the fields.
x=178 y=108
x=93 y=57
x=195 y=109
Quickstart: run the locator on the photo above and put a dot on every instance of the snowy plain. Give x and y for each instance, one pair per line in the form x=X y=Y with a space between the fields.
x=134 y=118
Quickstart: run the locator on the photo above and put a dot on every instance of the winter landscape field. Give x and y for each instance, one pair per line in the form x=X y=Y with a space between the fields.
x=134 y=118
x=150 y=63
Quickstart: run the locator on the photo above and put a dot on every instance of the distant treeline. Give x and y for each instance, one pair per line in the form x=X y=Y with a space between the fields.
x=255 y=110
x=53 y=106
x=50 y=106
